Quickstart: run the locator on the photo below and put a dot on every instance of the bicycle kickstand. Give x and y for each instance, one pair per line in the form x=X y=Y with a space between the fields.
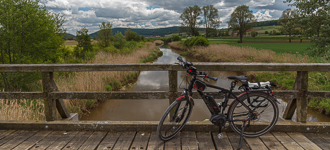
x=220 y=136
x=240 y=141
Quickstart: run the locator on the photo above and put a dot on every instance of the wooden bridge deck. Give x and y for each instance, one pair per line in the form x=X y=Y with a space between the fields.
x=23 y=139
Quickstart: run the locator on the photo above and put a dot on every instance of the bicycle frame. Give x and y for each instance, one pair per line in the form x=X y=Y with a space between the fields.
x=211 y=103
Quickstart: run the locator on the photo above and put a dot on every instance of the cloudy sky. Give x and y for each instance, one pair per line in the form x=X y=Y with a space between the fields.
x=150 y=13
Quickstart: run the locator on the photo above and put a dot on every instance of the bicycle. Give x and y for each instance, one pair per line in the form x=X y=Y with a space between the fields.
x=255 y=102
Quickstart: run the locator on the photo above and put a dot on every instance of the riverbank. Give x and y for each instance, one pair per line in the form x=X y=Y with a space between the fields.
x=104 y=81
x=319 y=81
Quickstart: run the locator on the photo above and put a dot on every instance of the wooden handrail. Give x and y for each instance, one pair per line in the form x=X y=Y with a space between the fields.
x=52 y=97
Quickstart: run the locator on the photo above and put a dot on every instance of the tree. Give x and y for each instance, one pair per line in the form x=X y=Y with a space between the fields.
x=132 y=36
x=29 y=35
x=289 y=21
x=242 y=19
x=105 y=34
x=211 y=18
x=84 y=43
x=254 y=33
x=190 y=18
x=266 y=32
x=317 y=21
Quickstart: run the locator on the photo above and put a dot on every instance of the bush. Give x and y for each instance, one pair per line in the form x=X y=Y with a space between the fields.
x=119 y=40
x=187 y=42
x=266 y=32
x=199 y=41
x=166 y=40
x=176 y=38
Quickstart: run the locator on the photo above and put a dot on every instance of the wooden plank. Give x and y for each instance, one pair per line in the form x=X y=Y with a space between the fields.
x=50 y=103
x=78 y=140
x=303 y=141
x=271 y=142
x=62 y=110
x=234 y=140
x=48 y=140
x=189 y=140
x=83 y=67
x=63 y=140
x=32 y=140
x=223 y=66
x=18 y=139
x=5 y=133
x=140 y=141
x=125 y=140
x=94 y=140
x=21 y=95
x=222 y=144
x=9 y=137
x=318 y=140
x=174 y=144
x=155 y=143
x=287 y=141
x=109 y=141
x=288 y=94
x=205 y=141
x=256 y=143
x=112 y=95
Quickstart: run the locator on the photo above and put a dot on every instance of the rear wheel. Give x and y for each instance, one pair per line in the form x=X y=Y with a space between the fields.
x=263 y=118
x=174 y=119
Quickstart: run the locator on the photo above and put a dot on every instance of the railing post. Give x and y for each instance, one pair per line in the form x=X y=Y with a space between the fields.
x=50 y=104
x=302 y=100
x=173 y=84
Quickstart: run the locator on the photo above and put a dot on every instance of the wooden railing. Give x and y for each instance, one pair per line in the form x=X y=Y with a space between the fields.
x=53 y=98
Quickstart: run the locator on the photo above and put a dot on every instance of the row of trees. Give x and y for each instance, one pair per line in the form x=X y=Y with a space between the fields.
x=191 y=20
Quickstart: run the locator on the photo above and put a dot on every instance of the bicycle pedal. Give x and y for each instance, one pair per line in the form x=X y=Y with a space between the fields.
x=220 y=136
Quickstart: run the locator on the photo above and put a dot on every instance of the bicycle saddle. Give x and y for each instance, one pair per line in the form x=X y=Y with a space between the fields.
x=241 y=78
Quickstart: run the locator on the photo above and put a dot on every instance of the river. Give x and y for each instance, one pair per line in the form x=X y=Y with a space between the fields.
x=153 y=109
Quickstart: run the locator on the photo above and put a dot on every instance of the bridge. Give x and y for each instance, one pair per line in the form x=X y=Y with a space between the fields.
x=141 y=134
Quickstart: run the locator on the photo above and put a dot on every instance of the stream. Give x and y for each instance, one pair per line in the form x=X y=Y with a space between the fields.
x=153 y=109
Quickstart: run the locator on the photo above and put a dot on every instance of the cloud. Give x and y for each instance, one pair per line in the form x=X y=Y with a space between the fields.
x=56 y=4
x=150 y=13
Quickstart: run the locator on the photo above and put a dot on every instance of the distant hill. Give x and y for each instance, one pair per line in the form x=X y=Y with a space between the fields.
x=145 y=32
x=267 y=23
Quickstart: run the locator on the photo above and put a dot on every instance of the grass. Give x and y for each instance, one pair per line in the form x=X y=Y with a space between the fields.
x=277 y=47
x=22 y=109
x=228 y=53
x=101 y=80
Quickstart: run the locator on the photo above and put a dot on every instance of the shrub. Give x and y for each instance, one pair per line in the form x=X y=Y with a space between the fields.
x=187 y=42
x=119 y=40
x=199 y=41
x=176 y=38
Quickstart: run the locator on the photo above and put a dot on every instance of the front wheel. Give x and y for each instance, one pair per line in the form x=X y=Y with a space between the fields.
x=262 y=119
x=174 y=119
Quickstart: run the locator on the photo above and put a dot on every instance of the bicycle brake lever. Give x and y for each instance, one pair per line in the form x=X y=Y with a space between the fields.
x=206 y=80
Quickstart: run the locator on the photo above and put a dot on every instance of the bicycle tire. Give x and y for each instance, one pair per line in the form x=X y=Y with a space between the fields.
x=260 y=102
x=173 y=124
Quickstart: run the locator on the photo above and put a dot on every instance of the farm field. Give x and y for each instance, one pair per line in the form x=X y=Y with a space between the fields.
x=278 y=47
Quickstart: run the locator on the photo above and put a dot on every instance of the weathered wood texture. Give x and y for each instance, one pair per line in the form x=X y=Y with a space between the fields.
x=200 y=126
x=173 y=84
x=165 y=67
x=50 y=103
x=63 y=111
x=104 y=140
x=302 y=100
x=287 y=94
